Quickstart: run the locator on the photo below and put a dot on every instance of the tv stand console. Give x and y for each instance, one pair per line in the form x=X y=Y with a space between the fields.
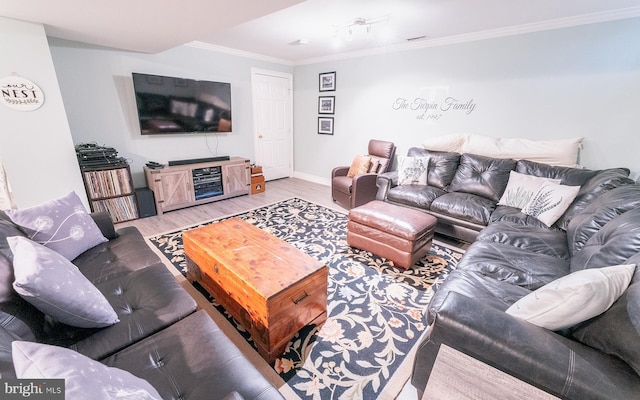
x=181 y=186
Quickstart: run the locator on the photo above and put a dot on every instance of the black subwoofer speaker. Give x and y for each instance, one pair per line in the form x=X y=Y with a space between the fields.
x=146 y=202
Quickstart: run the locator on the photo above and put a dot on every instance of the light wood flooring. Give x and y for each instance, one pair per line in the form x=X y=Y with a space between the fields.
x=275 y=191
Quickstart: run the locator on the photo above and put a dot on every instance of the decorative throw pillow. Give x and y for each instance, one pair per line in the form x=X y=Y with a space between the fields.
x=559 y=152
x=62 y=225
x=574 y=298
x=412 y=170
x=449 y=143
x=56 y=287
x=521 y=188
x=359 y=166
x=84 y=378
x=550 y=202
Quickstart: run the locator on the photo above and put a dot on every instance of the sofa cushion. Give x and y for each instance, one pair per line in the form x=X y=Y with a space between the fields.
x=120 y=256
x=482 y=176
x=412 y=170
x=442 y=166
x=520 y=188
x=490 y=292
x=568 y=176
x=529 y=238
x=508 y=263
x=208 y=366
x=574 y=298
x=550 y=202
x=599 y=212
x=420 y=196
x=517 y=217
x=469 y=207
x=83 y=377
x=61 y=224
x=16 y=314
x=617 y=332
x=56 y=287
x=602 y=182
x=613 y=244
x=6 y=360
x=146 y=301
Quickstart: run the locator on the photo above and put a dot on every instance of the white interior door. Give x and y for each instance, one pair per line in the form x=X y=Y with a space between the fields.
x=273 y=120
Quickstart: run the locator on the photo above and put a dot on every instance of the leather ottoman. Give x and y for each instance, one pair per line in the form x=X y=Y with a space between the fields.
x=400 y=234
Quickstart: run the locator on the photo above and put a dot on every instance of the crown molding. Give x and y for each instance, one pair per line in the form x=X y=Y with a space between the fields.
x=623 y=13
x=612 y=15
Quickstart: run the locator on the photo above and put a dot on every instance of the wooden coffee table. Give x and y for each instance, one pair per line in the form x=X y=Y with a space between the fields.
x=269 y=286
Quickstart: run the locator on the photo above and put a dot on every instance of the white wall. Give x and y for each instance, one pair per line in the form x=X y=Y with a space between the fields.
x=98 y=93
x=35 y=146
x=574 y=82
x=581 y=81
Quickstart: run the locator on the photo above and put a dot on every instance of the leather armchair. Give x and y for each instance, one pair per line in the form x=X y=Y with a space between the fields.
x=355 y=191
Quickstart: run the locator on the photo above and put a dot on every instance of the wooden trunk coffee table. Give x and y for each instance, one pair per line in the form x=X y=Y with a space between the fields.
x=269 y=286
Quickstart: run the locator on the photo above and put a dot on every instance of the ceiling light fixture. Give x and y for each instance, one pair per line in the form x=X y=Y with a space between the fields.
x=355 y=27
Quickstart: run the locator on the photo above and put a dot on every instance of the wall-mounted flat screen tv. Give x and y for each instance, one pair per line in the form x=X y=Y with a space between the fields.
x=168 y=105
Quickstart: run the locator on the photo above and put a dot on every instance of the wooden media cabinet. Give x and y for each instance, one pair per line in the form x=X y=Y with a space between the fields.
x=181 y=186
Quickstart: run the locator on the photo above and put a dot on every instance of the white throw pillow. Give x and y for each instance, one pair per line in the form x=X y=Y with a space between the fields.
x=560 y=152
x=574 y=298
x=412 y=170
x=450 y=143
x=521 y=187
x=550 y=202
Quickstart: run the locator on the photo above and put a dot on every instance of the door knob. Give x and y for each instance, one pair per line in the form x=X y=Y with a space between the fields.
x=259 y=136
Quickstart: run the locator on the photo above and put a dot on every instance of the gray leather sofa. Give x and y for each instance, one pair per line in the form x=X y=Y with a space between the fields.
x=160 y=336
x=515 y=255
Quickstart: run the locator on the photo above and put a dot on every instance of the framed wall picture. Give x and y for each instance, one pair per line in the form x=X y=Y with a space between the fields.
x=325 y=125
x=327 y=81
x=326 y=104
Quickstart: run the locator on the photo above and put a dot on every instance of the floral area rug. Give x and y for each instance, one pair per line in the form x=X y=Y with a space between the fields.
x=375 y=311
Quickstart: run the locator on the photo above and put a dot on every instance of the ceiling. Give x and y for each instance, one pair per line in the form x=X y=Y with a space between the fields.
x=296 y=31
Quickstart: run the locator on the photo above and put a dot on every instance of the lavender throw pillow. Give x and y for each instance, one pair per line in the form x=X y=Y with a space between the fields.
x=84 y=378
x=62 y=225
x=56 y=287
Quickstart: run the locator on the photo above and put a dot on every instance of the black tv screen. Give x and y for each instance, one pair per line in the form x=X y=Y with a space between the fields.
x=168 y=105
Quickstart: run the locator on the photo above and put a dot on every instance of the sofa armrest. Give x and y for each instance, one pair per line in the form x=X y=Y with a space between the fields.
x=339 y=171
x=385 y=182
x=105 y=223
x=542 y=358
x=364 y=189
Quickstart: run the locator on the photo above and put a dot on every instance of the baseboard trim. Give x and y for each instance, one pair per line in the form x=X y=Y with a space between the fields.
x=312 y=178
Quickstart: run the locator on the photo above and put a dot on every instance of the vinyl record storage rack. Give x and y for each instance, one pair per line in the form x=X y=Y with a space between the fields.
x=108 y=183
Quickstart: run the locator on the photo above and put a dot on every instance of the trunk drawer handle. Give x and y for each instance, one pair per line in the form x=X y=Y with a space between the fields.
x=302 y=297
